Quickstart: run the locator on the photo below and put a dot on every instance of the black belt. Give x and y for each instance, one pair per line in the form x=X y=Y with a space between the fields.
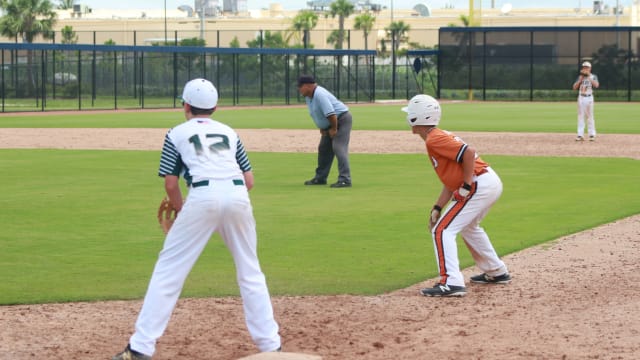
x=585 y=95
x=236 y=182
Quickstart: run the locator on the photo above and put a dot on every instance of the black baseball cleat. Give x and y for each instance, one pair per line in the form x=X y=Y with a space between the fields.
x=486 y=279
x=341 y=184
x=315 y=181
x=444 y=290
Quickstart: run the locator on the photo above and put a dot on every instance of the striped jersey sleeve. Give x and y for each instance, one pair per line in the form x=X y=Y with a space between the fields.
x=242 y=158
x=170 y=161
x=460 y=154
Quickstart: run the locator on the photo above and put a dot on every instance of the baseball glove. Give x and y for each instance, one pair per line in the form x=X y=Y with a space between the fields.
x=166 y=215
x=584 y=73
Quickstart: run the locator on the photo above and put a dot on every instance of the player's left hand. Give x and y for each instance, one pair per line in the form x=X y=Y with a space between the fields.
x=166 y=215
x=462 y=194
x=434 y=216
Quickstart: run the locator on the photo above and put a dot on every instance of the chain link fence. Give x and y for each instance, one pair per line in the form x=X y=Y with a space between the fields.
x=537 y=64
x=513 y=64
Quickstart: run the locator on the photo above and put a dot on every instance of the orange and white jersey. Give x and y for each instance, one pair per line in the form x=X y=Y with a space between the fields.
x=445 y=150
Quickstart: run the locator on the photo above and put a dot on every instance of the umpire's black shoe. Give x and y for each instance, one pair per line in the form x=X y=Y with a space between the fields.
x=341 y=184
x=444 y=290
x=486 y=279
x=315 y=181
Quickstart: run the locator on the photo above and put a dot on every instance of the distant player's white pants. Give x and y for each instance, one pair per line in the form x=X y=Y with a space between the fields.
x=464 y=219
x=222 y=207
x=585 y=110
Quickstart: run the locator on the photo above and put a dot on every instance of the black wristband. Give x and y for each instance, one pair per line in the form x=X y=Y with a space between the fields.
x=466 y=186
x=436 y=207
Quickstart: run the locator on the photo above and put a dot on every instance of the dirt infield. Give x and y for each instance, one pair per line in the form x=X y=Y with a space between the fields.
x=362 y=141
x=574 y=298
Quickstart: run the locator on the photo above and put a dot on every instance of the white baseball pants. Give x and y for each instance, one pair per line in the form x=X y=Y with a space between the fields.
x=585 y=110
x=464 y=218
x=226 y=208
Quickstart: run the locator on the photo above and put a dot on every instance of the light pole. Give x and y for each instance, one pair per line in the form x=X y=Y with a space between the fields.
x=201 y=22
x=165 y=22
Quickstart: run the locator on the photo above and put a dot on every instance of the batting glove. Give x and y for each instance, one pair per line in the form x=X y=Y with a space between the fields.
x=462 y=193
x=434 y=216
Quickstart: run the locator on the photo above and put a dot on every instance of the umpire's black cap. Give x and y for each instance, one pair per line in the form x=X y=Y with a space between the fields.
x=306 y=79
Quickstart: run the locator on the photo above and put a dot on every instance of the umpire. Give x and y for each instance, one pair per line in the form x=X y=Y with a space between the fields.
x=334 y=120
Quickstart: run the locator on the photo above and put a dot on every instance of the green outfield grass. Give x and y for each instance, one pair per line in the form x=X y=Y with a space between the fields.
x=80 y=225
x=618 y=118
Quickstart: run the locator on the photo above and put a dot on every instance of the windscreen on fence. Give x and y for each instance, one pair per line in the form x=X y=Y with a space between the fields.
x=537 y=64
x=39 y=77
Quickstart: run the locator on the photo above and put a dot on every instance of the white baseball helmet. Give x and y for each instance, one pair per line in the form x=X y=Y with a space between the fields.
x=200 y=93
x=423 y=110
x=586 y=64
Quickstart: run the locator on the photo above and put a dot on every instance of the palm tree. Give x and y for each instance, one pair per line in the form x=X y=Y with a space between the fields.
x=66 y=4
x=397 y=31
x=342 y=9
x=365 y=23
x=68 y=35
x=334 y=38
x=27 y=19
x=304 y=21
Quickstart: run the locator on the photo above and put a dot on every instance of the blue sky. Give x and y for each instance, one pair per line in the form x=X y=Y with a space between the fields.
x=397 y=4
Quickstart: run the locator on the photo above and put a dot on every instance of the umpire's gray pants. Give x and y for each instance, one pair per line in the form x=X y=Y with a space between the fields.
x=337 y=146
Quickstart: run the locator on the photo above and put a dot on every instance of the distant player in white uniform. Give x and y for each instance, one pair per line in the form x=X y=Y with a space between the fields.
x=212 y=160
x=585 y=83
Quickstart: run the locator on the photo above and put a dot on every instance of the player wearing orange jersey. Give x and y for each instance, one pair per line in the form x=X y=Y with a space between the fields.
x=470 y=188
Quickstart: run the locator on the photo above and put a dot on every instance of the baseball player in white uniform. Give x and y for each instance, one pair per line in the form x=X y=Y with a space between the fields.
x=212 y=160
x=585 y=83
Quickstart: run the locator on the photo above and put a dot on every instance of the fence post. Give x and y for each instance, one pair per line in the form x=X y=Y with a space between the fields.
x=93 y=72
x=53 y=68
x=79 y=81
x=287 y=79
x=43 y=72
x=629 y=57
x=115 y=80
x=141 y=80
x=484 y=65
x=3 y=89
x=531 y=66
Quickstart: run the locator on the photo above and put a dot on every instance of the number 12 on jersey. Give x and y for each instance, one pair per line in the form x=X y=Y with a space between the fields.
x=218 y=142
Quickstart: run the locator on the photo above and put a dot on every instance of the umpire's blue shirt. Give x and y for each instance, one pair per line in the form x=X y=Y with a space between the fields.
x=322 y=105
